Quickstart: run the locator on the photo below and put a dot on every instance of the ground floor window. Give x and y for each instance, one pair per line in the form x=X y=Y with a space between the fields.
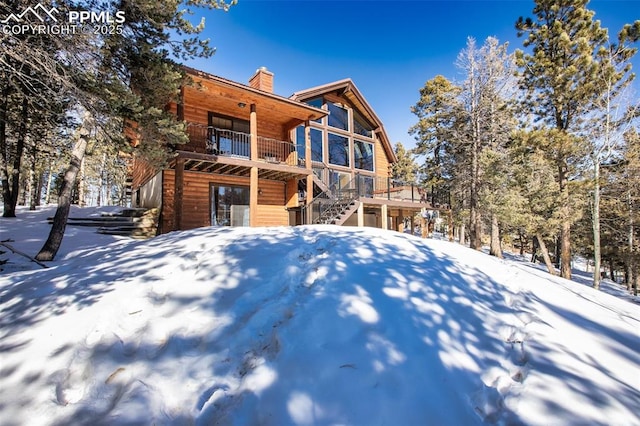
x=229 y=205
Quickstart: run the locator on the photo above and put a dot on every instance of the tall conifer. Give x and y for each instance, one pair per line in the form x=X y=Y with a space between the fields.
x=558 y=76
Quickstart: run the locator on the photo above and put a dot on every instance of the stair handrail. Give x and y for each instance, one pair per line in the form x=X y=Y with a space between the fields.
x=351 y=192
x=328 y=194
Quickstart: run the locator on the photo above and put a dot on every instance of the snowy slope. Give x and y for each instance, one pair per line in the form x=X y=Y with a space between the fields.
x=309 y=325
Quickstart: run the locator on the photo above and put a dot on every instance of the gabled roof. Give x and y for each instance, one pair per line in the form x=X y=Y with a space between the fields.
x=347 y=89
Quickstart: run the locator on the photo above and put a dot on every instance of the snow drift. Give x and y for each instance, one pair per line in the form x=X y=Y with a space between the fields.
x=310 y=325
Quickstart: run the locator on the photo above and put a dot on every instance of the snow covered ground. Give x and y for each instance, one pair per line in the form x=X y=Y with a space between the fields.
x=303 y=326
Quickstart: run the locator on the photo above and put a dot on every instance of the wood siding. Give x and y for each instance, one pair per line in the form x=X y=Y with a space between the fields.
x=382 y=160
x=196 y=209
x=142 y=172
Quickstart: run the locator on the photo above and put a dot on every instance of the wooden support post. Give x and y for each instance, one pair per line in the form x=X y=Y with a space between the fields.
x=361 y=215
x=400 y=223
x=307 y=162
x=253 y=197
x=385 y=215
x=178 y=194
x=253 y=128
x=253 y=177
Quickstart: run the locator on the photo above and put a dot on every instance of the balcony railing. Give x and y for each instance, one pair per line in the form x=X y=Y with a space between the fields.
x=275 y=151
x=214 y=141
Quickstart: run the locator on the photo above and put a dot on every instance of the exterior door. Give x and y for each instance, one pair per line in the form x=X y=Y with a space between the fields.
x=229 y=205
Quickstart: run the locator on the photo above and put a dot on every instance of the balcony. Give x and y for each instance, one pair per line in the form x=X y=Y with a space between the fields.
x=227 y=143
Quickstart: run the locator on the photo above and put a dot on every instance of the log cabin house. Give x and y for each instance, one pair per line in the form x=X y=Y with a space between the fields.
x=255 y=158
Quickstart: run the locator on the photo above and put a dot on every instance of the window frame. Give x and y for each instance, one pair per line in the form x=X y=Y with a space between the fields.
x=347 y=151
x=347 y=120
x=373 y=155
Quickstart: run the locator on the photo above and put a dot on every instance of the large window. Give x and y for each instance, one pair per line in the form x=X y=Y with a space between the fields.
x=360 y=125
x=338 y=117
x=317 y=102
x=363 y=155
x=316 y=144
x=338 y=150
x=229 y=206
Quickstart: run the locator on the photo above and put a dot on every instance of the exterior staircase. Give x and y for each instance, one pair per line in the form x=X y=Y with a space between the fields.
x=338 y=212
x=334 y=205
x=320 y=184
x=135 y=223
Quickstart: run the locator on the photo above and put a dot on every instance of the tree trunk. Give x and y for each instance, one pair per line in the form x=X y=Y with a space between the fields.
x=47 y=198
x=12 y=186
x=4 y=149
x=612 y=269
x=102 y=185
x=39 y=187
x=565 y=227
x=495 y=249
x=565 y=250
x=463 y=237
x=82 y=185
x=52 y=245
x=475 y=230
x=34 y=181
x=545 y=255
x=596 y=225
x=631 y=271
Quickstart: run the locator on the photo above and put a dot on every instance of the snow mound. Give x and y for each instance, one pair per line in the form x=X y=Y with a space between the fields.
x=310 y=325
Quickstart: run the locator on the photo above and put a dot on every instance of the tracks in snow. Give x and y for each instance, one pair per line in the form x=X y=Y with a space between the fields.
x=502 y=385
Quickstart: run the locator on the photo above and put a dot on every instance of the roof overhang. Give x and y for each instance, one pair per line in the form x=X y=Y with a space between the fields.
x=236 y=99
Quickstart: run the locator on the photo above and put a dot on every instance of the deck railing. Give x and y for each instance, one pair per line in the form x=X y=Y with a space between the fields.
x=362 y=186
x=214 y=141
x=392 y=189
x=275 y=151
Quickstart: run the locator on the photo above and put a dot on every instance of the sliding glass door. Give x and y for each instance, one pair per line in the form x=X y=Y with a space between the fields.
x=229 y=205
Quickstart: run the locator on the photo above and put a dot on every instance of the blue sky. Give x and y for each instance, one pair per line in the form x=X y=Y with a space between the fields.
x=388 y=48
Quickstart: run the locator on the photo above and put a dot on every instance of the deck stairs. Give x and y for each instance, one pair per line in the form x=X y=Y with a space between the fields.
x=335 y=204
x=338 y=212
x=135 y=223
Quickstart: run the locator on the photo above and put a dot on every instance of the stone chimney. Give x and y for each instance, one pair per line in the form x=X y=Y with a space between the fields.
x=262 y=80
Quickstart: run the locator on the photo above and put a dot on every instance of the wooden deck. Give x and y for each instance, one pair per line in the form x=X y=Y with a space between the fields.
x=238 y=166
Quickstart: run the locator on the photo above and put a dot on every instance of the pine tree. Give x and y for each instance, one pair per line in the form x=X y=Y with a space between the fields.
x=438 y=112
x=488 y=121
x=621 y=209
x=535 y=200
x=558 y=78
x=405 y=169
x=128 y=77
x=611 y=118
